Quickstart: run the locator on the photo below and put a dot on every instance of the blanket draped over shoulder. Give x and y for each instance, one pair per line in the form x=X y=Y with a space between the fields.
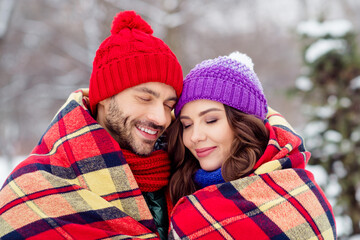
x=76 y=184
x=280 y=200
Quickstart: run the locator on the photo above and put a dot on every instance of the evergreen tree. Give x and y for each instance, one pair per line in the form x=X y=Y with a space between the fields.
x=330 y=89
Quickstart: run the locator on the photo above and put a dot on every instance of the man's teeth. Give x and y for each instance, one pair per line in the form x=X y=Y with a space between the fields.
x=147 y=130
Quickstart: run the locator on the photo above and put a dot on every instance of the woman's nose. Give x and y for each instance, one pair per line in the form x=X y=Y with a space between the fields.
x=197 y=134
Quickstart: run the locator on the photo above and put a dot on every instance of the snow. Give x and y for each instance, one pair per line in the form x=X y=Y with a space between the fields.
x=357 y=194
x=355 y=136
x=170 y=5
x=343 y=225
x=334 y=28
x=332 y=100
x=333 y=136
x=355 y=237
x=322 y=47
x=304 y=84
x=320 y=175
x=330 y=149
x=325 y=112
x=314 y=128
x=236 y=20
x=314 y=142
x=6 y=167
x=339 y=169
x=345 y=102
x=355 y=83
x=5 y=15
x=333 y=188
x=346 y=146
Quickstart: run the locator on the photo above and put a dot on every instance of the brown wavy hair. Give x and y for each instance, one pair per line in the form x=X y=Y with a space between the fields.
x=251 y=138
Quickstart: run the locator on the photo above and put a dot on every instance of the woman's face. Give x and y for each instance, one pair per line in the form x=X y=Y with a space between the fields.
x=206 y=132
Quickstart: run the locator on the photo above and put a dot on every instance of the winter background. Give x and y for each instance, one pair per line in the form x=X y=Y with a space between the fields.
x=47 y=48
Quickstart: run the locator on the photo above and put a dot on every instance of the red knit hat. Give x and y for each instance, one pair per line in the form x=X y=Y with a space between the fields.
x=130 y=56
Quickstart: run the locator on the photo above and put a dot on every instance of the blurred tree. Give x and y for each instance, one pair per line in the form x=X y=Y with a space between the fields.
x=330 y=89
x=43 y=57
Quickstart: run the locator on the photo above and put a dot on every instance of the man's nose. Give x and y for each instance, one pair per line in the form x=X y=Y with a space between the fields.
x=158 y=115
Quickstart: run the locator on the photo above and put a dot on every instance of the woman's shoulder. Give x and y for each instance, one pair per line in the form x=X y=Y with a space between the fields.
x=258 y=204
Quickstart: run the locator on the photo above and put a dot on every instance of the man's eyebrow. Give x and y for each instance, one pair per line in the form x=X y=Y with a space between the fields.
x=155 y=94
x=172 y=99
x=147 y=90
x=203 y=112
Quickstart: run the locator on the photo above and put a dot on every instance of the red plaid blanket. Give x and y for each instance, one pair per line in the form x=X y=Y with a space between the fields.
x=76 y=184
x=281 y=200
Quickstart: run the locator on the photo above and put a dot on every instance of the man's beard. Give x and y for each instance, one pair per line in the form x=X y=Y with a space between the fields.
x=120 y=127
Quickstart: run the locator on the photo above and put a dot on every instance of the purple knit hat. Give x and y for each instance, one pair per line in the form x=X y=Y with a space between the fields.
x=230 y=80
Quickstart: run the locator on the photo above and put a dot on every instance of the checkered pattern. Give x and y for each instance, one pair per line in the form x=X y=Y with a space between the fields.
x=281 y=200
x=76 y=184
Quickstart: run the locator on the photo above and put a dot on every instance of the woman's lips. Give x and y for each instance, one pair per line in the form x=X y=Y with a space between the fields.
x=203 y=152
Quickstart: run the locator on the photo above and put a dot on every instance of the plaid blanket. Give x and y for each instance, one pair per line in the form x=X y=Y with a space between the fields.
x=75 y=184
x=280 y=200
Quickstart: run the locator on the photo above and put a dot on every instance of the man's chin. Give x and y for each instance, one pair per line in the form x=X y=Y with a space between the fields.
x=143 y=153
x=144 y=149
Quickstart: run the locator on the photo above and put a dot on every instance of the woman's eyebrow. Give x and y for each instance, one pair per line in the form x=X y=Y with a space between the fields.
x=208 y=110
x=203 y=112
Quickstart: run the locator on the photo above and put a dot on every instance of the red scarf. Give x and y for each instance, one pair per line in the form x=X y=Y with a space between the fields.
x=151 y=172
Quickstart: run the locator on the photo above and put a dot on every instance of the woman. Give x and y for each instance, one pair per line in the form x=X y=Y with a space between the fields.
x=238 y=167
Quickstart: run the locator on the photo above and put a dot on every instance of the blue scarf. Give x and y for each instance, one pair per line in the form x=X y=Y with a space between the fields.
x=203 y=178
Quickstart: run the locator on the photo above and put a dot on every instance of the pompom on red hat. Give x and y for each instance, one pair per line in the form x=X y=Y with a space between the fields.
x=130 y=56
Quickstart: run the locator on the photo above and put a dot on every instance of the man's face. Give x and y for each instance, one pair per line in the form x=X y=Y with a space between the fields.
x=138 y=116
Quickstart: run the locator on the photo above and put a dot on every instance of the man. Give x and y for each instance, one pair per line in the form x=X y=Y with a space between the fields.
x=99 y=170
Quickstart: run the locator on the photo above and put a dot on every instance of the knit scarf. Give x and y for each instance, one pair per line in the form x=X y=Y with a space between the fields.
x=151 y=172
x=204 y=178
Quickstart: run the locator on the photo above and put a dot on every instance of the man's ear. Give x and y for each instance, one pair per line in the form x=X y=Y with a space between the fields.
x=101 y=107
x=104 y=102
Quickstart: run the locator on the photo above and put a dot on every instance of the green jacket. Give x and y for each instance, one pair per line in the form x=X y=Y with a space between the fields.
x=156 y=202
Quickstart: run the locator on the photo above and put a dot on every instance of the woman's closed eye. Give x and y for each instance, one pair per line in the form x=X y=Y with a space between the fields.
x=211 y=121
x=185 y=125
